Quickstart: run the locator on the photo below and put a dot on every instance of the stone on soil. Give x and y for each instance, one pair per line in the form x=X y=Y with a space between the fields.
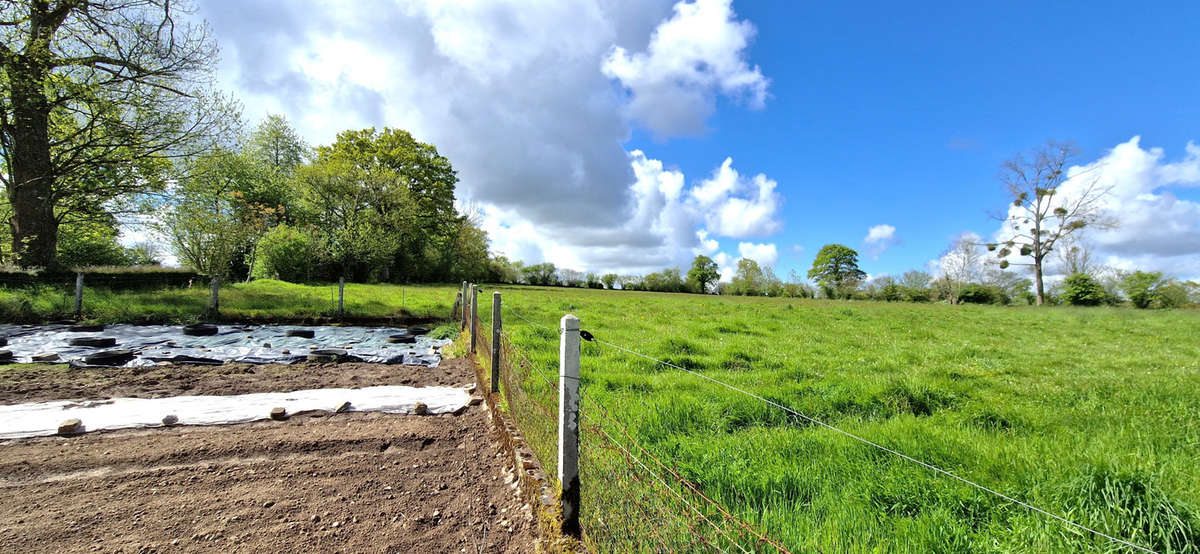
x=70 y=427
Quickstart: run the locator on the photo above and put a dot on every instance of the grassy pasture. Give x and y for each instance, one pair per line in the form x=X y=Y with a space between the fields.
x=262 y=299
x=1093 y=414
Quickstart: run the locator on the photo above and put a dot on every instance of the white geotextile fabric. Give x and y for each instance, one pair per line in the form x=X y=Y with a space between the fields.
x=43 y=418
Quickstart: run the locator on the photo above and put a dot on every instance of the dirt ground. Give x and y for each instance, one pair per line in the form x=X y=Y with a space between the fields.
x=355 y=482
x=34 y=383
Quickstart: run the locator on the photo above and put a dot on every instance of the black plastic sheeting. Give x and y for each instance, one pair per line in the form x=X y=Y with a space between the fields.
x=143 y=345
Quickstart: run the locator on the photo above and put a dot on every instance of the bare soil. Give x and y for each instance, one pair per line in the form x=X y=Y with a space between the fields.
x=38 y=383
x=356 y=482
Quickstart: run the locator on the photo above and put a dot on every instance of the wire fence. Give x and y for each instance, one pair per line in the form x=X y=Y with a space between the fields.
x=639 y=502
x=632 y=500
x=132 y=298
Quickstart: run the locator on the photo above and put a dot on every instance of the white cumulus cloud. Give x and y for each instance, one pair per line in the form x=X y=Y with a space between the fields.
x=697 y=53
x=879 y=238
x=522 y=101
x=765 y=254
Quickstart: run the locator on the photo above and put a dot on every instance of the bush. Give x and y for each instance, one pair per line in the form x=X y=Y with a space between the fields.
x=1081 y=289
x=284 y=253
x=1172 y=295
x=983 y=294
x=1141 y=287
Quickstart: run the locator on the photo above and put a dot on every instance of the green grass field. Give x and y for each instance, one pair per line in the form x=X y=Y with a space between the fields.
x=262 y=299
x=1092 y=414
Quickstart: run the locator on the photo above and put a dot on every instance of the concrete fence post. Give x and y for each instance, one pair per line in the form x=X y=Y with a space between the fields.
x=496 y=326
x=214 y=302
x=568 y=423
x=463 y=315
x=341 y=296
x=474 y=315
x=78 y=295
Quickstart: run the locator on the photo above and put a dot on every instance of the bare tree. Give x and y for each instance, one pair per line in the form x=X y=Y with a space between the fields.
x=1076 y=257
x=1043 y=211
x=960 y=265
x=97 y=97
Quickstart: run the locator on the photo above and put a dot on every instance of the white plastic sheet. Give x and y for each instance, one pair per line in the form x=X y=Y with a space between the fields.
x=43 y=418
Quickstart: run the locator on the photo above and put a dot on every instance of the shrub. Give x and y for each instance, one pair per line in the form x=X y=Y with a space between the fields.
x=982 y=294
x=1141 y=287
x=1081 y=289
x=284 y=253
x=1172 y=295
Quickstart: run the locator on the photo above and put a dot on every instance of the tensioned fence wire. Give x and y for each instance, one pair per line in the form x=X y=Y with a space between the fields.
x=632 y=500
x=1079 y=527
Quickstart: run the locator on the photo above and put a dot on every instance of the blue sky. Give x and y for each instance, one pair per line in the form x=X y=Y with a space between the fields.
x=592 y=133
x=886 y=113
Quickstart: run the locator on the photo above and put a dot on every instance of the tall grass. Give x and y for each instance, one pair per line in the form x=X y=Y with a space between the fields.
x=1093 y=414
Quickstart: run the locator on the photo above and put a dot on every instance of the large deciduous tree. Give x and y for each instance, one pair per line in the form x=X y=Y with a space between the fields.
x=836 y=270
x=703 y=273
x=1045 y=210
x=95 y=96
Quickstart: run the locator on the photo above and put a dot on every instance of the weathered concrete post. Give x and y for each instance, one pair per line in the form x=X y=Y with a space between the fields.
x=78 y=295
x=474 y=315
x=568 y=423
x=341 y=295
x=214 y=303
x=463 y=315
x=496 y=326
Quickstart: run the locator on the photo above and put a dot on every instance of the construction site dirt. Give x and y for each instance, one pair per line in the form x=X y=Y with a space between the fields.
x=319 y=481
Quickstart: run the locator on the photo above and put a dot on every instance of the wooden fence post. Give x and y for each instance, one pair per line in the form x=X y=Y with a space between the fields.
x=214 y=303
x=568 y=423
x=474 y=316
x=341 y=295
x=79 y=295
x=496 y=341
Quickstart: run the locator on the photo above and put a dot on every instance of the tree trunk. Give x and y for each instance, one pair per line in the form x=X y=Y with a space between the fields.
x=1037 y=277
x=34 y=227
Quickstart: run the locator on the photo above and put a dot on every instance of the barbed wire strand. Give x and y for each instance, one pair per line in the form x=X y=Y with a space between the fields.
x=886 y=449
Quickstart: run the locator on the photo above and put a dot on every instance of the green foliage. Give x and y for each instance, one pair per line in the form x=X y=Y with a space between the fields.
x=975 y=293
x=836 y=270
x=748 y=279
x=1174 y=295
x=284 y=253
x=609 y=280
x=210 y=218
x=1082 y=289
x=90 y=243
x=540 y=274
x=1141 y=287
x=275 y=144
x=703 y=274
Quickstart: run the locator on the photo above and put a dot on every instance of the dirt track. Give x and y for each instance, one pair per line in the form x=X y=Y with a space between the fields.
x=341 y=482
